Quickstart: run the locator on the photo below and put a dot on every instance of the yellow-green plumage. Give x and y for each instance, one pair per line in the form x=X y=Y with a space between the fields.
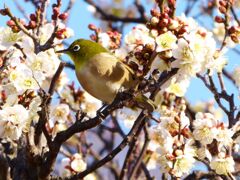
x=99 y=72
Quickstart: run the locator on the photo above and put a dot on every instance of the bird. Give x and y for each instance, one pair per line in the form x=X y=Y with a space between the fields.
x=99 y=71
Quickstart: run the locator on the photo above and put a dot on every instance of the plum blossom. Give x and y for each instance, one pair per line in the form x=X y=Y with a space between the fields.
x=204 y=128
x=12 y=121
x=23 y=79
x=104 y=40
x=42 y=64
x=138 y=35
x=223 y=165
x=72 y=165
x=161 y=139
x=166 y=41
x=90 y=105
x=8 y=38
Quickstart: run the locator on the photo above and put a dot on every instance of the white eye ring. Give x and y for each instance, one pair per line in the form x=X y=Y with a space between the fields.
x=76 y=48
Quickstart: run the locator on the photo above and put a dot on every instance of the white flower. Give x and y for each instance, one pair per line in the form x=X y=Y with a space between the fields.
x=45 y=32
x=161 y=140
x=91 y=8
x=138 y=35
x=8 y=38
x=223 y=165
x=171 y=124
x=127 y=116
x=43 y=64
x=187 y=58
x=23 y=79
x=165 y=164
x=216 y=62
x=183 y=164
x=104 y=40
x=72 y=165
x=12 y=120
x=166 y=41
x=178 y=88
x=90 y=104
x=224 y=136
x=204 y=128
x=59 y=113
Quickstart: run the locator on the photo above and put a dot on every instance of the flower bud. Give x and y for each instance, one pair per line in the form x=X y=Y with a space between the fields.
x=154 y=32
x=154 y=21
x=56 y=11
x=33 y=17
x=222 y=9
x=63 y=16
x=92 y=27
x=234 y=38
x=11 y=23
x=3 y=12
x=173 y=24
x=32 y=24
x=219 y=19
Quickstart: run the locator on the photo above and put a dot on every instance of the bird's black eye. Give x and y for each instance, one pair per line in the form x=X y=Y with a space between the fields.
x=76 y=48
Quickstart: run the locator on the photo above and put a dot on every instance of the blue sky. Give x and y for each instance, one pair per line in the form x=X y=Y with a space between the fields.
x=81 y=17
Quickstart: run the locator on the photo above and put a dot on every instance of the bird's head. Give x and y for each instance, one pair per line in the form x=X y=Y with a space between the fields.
x=82 y=50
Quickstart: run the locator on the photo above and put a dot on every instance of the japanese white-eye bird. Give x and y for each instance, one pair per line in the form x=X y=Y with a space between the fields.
x=99 y=72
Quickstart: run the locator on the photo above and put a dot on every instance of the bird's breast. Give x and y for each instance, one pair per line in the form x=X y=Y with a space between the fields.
x=103 y=75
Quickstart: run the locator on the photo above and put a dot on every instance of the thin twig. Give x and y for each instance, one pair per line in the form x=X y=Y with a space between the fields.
x=111 y=17
x=140 y=157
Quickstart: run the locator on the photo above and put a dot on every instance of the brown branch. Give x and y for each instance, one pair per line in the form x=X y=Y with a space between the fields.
x=228 y=75
x=113 y=18
x=42 y=17
x=138 y=124
x=55 y=78
x=218 y=96
x=77 y=127
x=127 y=160
x=140 y=157
x=226 y=25
x=220 y=78
x=49 y=43
x=44 y=113
x=146 y=172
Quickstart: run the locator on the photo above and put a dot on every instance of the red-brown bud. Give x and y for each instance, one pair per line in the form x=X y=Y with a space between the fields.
x=92 y=27
x=3 y=12
x=222 y=9
x=32 y=24
x=219 y=19
x=56 y=11
x=222 y=3
x=63 y=16
x=11 y=23
x=33 y=17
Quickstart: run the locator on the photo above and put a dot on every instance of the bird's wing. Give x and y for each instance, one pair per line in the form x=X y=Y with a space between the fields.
x=108 y=67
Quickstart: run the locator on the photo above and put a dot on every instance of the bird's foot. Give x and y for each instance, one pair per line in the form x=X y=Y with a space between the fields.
x=99 y=112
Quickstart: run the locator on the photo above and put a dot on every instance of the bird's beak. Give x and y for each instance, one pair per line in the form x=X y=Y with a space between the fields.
x=62 y=51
